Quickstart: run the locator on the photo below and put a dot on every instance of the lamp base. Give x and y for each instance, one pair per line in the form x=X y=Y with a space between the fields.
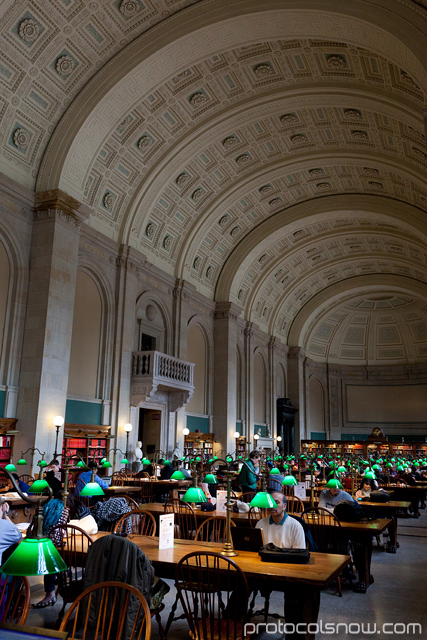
x=228 y=551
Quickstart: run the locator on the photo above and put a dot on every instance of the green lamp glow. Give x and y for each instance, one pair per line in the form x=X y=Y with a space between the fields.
x=290 y=481
x=263 y=500
x=42 y=463
x=333 y=483
x=145 y=461
x=389 y=465
x=400 y=468
x=80 y=464
x=38 y=486
x=376 y=467
x=92 y=489
x=168 y=462
x=369 y=474
x=275 y=471
x=11 y=467
x=103 y=460
x=124 y=461
x=210 y=478
x=34 y=557
x=342 y=470
x=194 y=494
x=177 y=475
x=21 y=462
x=106 y=464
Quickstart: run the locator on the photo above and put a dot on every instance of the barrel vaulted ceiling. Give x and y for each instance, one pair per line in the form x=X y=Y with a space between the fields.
x=270 y=152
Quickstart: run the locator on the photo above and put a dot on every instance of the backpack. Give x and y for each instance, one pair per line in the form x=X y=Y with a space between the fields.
x=379 y=495
x=349 y=511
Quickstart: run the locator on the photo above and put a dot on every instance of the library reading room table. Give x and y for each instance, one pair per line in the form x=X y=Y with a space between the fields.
x=305 y=580
x=359 y=533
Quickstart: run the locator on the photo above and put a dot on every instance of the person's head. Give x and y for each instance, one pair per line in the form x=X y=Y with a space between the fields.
x=92 y=464
x=282 y=501
x=54 y=466
x=254 y=456
x=367 y=484
x=334 y=491
x=161 y=462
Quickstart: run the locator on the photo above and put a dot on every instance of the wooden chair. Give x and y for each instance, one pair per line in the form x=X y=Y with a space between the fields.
x=247 y=496
x=326 y=531
x=255 y=514
x=214 y=595
x=26 y=478
x=185 y=518
x=108 y=610
x=70 y=581
x=295 y=505
x=131 y=502
x=288 y=490
x=212 y=529
x=117 y=479
x=146 y=492
x=143 y=523
x=14 y=598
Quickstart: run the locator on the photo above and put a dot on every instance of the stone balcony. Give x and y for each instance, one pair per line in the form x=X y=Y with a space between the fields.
x=155 y=373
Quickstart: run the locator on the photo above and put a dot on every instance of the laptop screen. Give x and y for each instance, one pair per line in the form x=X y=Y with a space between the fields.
x=247 y=539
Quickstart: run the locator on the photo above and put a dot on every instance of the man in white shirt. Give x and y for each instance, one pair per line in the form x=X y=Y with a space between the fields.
x=9 y=533
x=281 y=529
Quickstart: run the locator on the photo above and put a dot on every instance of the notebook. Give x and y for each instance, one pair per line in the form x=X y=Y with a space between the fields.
x=247 y=539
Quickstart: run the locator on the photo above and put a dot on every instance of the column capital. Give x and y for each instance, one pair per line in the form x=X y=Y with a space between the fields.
x=227 y=311
x=296 y=353
x=54 y=203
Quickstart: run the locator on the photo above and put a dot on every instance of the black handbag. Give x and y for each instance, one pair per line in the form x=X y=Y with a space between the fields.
x=379 y=495
x=270 y=553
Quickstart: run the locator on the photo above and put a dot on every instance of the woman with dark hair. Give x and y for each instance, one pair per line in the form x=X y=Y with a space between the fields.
x=247 y=475
x=55 y=513
x=365 y=489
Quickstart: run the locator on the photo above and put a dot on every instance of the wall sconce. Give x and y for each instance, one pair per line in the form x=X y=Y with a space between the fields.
x=58 y=422
x=128 y=428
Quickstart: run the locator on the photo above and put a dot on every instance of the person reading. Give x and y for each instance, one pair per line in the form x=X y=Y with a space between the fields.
x=281 y=529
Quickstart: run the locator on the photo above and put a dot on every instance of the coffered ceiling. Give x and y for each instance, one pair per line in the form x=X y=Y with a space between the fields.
x=269 y=152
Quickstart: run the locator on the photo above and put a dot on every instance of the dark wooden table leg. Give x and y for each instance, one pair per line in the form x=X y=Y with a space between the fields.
x=362 y=553
x=301 y=611
x=392 y=543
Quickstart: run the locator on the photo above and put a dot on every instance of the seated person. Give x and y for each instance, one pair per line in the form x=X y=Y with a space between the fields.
x=51 y=477
x=274 y=482
x=329 y=498
x=365 y=489
x=107 y=513
x=9 y=533
x=165 y=469
x=21 y=484
x=85 y=477
x=281 y=529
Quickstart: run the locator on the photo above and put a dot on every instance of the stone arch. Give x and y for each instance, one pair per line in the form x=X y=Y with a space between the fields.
x=152 y=316
x=199 y=322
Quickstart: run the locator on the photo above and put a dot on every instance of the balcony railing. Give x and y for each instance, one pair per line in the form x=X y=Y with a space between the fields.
x=153 y=371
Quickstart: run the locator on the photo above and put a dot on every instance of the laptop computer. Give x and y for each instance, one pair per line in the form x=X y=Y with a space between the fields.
x=247 y=539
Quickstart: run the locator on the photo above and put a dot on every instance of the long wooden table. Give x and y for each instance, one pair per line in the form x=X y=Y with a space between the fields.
x=383 y=510
x=302 y=583
x=359 y=533
x=414 y=494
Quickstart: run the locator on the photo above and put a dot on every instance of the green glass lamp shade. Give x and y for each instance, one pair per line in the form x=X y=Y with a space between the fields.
x=275 y=471
x=264 y=500
x=21 y=462
x=392 y=459
x=106 y=464
x=416 y=463
x=145 y=461
x=400 y=467
x=42 y=463
x=389 y=465
x=376 y=467
x=240 y=457
x=168 y=462
x=194 y=494
x=320 y=456
x=342 y=469
x=183 y=458
x=305 y=457
x=124 y=461
x=103 y=460
x=92 y=489
x=290 y=481
x=229 y=458
x=34 y=557
x=38 y=486
x=333 y=483
x=215 y=457
x=177 y=475
x=11 y=467
x=370 y=475
x=80 y=464
x=210 y=478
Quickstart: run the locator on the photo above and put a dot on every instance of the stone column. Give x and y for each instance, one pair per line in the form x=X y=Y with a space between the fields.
x=248 y=400
x=296 y=391
x=126 y=291
x=271 y=387
x=225 y=370
x=335 y=403
x=182 y=293
x=49 y=320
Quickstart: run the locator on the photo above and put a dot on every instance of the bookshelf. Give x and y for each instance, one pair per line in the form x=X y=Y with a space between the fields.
x=7 y=435
x=365 y=448
x=88 y=441
x=199 y=444
x=241 y=446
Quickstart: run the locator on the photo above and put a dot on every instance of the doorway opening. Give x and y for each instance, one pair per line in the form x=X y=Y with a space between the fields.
x=149 y=430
